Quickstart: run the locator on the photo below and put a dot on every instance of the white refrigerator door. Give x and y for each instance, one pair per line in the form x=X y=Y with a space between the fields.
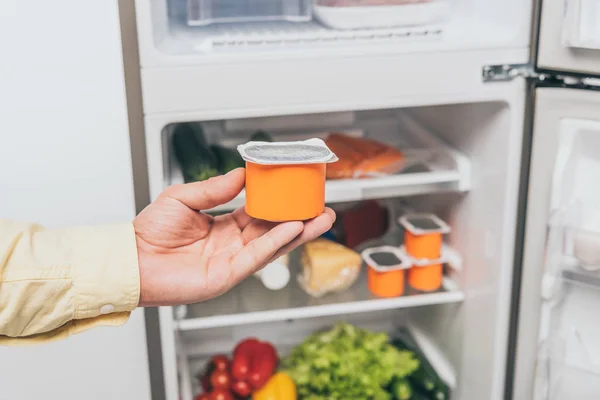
x=557 y=343
x=569 y=36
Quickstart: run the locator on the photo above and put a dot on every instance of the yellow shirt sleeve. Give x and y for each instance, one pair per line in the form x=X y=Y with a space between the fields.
x=54 y=283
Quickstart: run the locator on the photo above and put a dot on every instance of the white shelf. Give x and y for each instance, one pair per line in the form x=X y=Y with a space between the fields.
x=446 y=170
x=283 y=35
x=252 y=303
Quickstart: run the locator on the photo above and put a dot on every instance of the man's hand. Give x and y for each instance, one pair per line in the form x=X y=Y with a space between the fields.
x=186 y=256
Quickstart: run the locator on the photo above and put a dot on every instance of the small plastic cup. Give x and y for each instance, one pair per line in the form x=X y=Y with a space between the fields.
x=286 y=181
x=426 y=278
x=423 y=235
x=385 y=272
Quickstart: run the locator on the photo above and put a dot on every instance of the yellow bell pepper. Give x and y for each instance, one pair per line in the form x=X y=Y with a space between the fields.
x=279 y=387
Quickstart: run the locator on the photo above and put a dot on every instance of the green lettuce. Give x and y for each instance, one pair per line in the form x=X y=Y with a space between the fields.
x=347 y=363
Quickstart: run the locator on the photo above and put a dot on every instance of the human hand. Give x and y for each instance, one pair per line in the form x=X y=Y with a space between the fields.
x=186 y=256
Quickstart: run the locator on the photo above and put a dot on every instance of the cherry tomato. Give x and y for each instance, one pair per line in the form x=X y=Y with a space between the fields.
x=221 y=394
x=241 y=388
x=220 y=362
x=203 y=396
x=220 y=379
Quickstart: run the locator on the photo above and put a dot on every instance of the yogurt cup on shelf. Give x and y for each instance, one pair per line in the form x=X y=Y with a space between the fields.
x=386 y=269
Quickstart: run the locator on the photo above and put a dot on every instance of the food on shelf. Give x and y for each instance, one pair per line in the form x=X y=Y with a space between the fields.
x=423 y=235
x=227 y=159
x=197 y=161
x=348 y=363
x=371 y=14
x=425 y=381
x=401 y=389
x=386 y=267
x=368 y=220
x=423 y=239
x=286 y=181
x=328 y=267
x=220 y=394
x=254 y=362
x=276 y=275
x=361 y=157
x=261 y=136
x=279 y=387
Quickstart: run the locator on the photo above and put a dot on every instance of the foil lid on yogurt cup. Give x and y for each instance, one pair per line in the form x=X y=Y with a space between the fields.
x=311 y=151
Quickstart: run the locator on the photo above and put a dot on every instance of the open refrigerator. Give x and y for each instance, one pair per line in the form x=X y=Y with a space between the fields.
x=505 y=117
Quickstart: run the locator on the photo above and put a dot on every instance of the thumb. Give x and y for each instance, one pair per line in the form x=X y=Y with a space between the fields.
x=211 y=193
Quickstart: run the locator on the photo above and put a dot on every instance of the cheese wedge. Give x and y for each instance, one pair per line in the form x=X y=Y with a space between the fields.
x=328 y=267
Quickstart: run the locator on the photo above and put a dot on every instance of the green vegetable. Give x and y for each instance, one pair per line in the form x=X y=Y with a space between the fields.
x=420 y=396
x=401 y=389
x=197 y=162
x=261 y=136
x=347 y=363
x=425 y=379
x=228 y=159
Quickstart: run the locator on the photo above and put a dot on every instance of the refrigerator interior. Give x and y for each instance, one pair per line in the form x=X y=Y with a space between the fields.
x=169 y=31
x=469 y=178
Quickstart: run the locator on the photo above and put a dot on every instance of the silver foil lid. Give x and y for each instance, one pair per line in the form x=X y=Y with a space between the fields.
x=311 y=151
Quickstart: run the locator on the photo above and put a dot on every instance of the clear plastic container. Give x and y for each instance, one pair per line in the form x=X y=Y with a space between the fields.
x=205 y=12
x=362 y=14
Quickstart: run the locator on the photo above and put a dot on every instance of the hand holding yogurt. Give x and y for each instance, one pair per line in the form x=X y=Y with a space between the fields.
x=187 y=256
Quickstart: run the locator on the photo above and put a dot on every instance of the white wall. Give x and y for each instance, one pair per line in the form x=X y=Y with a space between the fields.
x=65 y=160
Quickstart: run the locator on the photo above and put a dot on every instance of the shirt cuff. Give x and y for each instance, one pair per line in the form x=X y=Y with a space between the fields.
x=106 y=272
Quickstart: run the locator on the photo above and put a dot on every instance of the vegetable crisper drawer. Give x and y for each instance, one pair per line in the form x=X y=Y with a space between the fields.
x=205 y=12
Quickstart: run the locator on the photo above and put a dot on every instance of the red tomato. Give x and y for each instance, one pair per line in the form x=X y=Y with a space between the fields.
x=220 y=379
x=220 y=394
x=220 y=362
x=203 y=396
x=241 y=388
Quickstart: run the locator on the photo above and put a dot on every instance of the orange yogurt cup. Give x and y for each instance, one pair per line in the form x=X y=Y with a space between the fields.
x=423 y=235
x=386 y=269
x=285 y=181
x=426 y=278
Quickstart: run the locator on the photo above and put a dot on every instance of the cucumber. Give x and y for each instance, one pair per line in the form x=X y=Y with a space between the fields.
x=228 y=159
x=425 y=379
x=420 y=396
x=261 y=136
x=197 y=162
x=401 y=389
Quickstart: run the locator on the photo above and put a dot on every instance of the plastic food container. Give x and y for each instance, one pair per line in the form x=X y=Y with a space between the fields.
x=363 y=14
x=286 y=181
x=385 y=272
x=423 y=235
x=276 y=275
x=426 y=277
x=205 y=12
